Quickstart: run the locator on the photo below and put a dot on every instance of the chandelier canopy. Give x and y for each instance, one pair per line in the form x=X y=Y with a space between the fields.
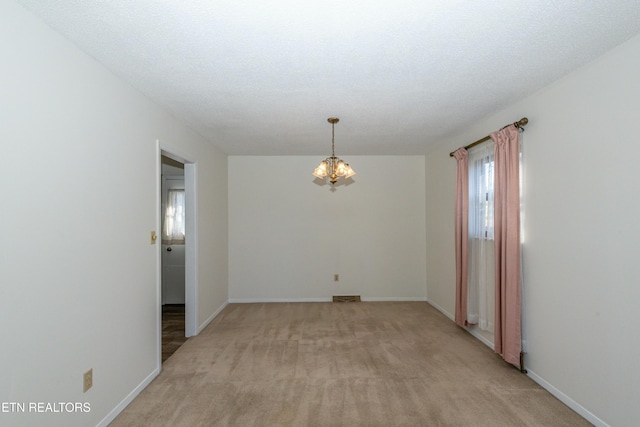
x=332 y=167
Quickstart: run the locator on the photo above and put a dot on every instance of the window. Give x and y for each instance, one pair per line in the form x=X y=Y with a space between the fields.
x=173 y=230
x=481 y=193
x=480 y=284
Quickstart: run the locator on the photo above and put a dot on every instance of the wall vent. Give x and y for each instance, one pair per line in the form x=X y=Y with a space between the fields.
x=346 y=298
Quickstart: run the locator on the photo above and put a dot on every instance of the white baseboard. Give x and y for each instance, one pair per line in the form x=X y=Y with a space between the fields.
x=127 y=400
x=257 y=300
x=579 y=409
x=213 y=316
x=477 y=335
x=136 y=391
x=376 y=299
x=442 y=310
x=324 y=299
x=480 y=338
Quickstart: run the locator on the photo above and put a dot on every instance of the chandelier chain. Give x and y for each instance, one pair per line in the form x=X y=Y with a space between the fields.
x=333 y=143
x=332 y=167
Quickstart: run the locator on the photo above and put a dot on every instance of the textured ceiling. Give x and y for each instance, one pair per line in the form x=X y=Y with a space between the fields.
x=261 y=77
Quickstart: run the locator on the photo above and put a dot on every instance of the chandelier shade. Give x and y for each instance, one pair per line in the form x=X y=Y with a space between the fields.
x=333 y=168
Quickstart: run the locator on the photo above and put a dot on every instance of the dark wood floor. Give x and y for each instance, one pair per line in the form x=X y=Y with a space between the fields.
x=172 y=329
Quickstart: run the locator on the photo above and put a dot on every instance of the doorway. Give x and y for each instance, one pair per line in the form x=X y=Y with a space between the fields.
x=176 y=286
x=172 y=214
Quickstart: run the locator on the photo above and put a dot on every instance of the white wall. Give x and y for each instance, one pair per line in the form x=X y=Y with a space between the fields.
x=288 y=236
x=582 y=231
x=78 y=276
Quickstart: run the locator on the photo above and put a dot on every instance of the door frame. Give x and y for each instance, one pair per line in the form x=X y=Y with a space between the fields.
x=191 y=237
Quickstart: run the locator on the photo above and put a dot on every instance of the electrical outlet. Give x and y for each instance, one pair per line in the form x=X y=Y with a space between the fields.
x=336 y=277
x=88 y=380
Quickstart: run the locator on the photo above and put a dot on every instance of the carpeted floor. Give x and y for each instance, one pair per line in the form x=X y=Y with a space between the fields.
x=340 y=364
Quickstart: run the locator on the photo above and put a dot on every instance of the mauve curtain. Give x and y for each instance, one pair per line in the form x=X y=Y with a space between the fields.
x=462 y=233
x=507 y=337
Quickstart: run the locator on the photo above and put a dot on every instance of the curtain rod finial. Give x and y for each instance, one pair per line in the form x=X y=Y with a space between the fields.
x=519 y=124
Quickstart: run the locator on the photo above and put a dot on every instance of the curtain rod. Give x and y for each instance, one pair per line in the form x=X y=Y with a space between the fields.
x=522 y=122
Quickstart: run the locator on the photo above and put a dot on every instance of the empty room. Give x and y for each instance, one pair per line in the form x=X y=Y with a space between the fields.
x=416 y=213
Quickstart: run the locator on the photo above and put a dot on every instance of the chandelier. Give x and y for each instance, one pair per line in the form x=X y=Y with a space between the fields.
x=332 y=167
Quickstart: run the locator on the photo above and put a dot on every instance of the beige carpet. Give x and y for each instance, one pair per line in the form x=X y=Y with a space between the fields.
x=340 y=364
